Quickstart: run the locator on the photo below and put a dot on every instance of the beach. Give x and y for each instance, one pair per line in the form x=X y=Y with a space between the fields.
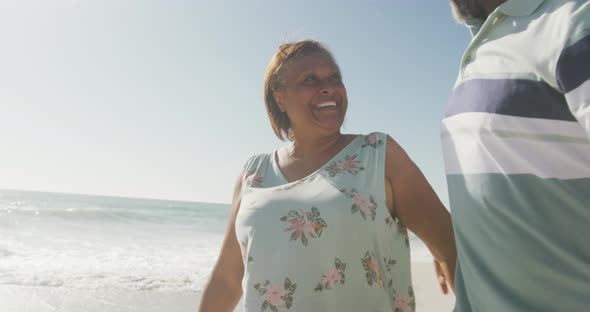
x=62 y=299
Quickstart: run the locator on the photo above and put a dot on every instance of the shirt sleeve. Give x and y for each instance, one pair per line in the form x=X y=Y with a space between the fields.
x=573 y=66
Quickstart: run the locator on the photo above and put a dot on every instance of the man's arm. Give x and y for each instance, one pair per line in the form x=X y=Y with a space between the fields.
x=573 y=67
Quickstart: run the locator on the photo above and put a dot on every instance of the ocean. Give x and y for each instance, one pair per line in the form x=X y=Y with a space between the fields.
x=98 y=242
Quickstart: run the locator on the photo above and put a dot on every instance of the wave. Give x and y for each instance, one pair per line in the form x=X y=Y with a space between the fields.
x=76 y=263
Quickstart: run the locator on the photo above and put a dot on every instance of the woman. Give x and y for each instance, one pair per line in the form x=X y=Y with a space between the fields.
x=319 y=224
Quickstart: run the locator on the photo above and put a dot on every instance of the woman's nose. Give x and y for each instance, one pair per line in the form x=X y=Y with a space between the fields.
x=326 y=91
x=327 y=87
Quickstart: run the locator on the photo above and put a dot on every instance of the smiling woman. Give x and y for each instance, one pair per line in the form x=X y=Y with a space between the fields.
x=314 y=83
x=320 y=224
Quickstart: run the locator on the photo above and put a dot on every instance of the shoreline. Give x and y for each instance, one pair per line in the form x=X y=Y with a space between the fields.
x=17 y=298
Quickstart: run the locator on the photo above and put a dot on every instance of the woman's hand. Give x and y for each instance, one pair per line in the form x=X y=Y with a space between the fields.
x=441 y=278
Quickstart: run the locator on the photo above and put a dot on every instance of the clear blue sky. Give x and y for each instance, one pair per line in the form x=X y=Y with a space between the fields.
x=163 y=99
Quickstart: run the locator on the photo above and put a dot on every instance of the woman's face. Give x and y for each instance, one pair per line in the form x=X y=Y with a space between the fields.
x=314 y=96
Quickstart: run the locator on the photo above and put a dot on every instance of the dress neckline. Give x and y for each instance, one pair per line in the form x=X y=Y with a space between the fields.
x=280 y=174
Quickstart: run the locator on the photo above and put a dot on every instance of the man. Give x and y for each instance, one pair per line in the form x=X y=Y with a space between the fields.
x=516 y=139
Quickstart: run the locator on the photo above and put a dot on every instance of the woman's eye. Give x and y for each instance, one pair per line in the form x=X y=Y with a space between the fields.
x=310 y=79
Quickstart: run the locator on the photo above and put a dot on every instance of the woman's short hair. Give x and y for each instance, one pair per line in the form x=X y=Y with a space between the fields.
x=274 y=79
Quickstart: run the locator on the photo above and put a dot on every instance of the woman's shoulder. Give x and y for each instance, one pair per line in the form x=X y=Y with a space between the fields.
x=374 y=139
x=378 y=134
x=256 y=161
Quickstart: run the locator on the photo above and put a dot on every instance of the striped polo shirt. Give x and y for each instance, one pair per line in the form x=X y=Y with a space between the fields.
x=517 y=154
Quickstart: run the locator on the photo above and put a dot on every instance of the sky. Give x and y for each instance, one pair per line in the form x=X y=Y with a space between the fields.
x=163 y=99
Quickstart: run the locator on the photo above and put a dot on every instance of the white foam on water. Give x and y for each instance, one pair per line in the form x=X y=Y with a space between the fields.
x=89 y=242
x=150 y=266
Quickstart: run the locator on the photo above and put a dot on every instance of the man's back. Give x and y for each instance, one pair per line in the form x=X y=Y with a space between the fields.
x=517 y=152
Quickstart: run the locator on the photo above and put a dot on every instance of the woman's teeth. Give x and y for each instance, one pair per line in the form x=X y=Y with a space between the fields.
x=328 y=104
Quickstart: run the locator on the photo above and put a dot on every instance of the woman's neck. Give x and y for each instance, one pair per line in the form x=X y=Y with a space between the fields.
x=309 y=146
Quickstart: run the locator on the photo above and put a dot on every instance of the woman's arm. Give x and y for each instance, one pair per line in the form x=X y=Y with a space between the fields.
x=415 y=203
x=224 y=289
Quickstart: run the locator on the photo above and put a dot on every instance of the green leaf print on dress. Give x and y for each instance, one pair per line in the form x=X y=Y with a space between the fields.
x=389 y=221
x=304 y=224
x=275 y=296
x=244 y=249
x=400 y=228
x=373 y=140
x=347 y=166
x=403 y=231
x=334 y=275
x=389 y=263
x=371 y=267
x=360 y=203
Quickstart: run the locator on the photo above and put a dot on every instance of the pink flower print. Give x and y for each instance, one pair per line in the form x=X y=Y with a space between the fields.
x=253 y=180
x=372 y=272
x=333 y=169
x=372 y=265
x=304 y=224
x=331 y=277
x=349 y=165
x=334 y=275
x=404 y=304
x=361 y=203
x=275 y=296
x=375 y=268
x=372 y=140
x=401 y=229
x=256 y=181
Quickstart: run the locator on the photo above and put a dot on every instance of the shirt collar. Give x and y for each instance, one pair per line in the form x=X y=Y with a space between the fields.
x=474 y=25
x=510 y=8
x=519 y=7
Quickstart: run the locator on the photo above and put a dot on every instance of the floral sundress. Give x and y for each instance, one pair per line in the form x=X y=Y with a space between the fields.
x=326 y=242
